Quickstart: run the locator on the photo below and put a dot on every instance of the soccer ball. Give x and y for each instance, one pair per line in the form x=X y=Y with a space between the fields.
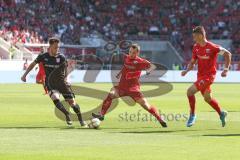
x=94 y=123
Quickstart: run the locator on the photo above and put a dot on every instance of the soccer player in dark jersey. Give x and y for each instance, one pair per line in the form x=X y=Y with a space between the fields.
x=129 y=84
x=205 y=55
x=55 y=66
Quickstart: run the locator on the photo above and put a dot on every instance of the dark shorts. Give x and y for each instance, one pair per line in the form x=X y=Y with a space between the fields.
x=64 y=88
x=135 y=95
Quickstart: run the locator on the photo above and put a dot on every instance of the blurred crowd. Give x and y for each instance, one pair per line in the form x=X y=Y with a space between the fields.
x=33 y=21
x=23 y=36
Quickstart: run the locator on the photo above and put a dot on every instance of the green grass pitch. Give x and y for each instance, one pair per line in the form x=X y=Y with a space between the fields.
x=29 y=130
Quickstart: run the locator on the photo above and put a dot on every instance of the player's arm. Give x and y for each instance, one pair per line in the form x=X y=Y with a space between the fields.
x=70 y=65
x=119 y=73
x=189 y=67
x=30 y=67
x=150 y=69
x=227 y=57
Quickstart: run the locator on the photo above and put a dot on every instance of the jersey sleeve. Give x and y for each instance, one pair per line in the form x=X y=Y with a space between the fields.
x=145 y=64
x=64 y=63
x=221 y=50
x=39 y=58
x=216 y=49
x=64 y=60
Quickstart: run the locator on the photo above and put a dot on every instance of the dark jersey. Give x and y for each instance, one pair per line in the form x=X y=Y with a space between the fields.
x=55 y=68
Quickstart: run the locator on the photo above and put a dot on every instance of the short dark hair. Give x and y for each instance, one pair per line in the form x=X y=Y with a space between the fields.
x=53 y=40
x=199 y=30
x=135 y=45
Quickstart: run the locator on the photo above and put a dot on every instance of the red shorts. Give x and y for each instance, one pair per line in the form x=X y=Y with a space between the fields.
x=135 y=95
x=40 y=78
x=203 y=84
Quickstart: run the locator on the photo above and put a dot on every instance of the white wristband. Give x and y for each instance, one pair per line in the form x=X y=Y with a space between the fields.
x=226 y=69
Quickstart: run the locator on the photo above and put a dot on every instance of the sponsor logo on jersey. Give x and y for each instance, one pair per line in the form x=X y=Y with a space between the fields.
x=51 y=66
x=129 y=66
x=203 y=57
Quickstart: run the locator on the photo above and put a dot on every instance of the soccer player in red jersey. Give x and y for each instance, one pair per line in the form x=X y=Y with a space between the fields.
x=129 y=84
x=40 y=78
x=205 y=55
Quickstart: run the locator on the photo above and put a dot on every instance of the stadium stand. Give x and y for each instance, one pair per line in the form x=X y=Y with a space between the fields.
x=117 y=20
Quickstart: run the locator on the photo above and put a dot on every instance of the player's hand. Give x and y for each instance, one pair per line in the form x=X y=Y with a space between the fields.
x=118 y=76
x=23 y=78
x=184 y=73
x=148 y=72
x=224 y=73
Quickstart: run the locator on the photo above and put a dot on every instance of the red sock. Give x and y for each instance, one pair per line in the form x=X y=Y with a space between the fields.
x=215 y=106
x=106 y=105
x=153 y=110
x=192 y=102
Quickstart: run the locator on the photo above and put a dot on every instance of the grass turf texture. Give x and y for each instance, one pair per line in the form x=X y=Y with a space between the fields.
x=29 y=129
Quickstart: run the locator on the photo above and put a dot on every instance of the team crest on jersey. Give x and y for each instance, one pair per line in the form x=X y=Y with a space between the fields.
x=135 y=62
x=207 y=51
x=58 y=60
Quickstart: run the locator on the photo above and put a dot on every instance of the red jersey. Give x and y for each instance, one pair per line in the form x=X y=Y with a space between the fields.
x=40 y=78
x=206 y=57
x=131 y=73
x=41 y=69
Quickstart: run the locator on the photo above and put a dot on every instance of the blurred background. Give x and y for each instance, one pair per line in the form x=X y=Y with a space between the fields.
x=103 y=28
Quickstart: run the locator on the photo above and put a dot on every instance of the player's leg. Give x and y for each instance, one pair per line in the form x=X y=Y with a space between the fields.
x=114 y=93
x=71 y=101
x=38 y=78
x=151 y=109
x=192 y=90
x=55 y=96
x=215 y=105
x=44 y=85
x=212 y=102
x=45 y=88
x=70 y=98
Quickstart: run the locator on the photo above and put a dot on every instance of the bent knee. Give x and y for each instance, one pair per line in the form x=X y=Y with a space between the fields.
x=71 y=102
x=190 y=92
x=54 y=95
x=207 y=99
x=112 y=95
x=143 y=103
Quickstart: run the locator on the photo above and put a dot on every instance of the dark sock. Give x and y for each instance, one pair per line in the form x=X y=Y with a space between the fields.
x=76 y=109
x=60 y=106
